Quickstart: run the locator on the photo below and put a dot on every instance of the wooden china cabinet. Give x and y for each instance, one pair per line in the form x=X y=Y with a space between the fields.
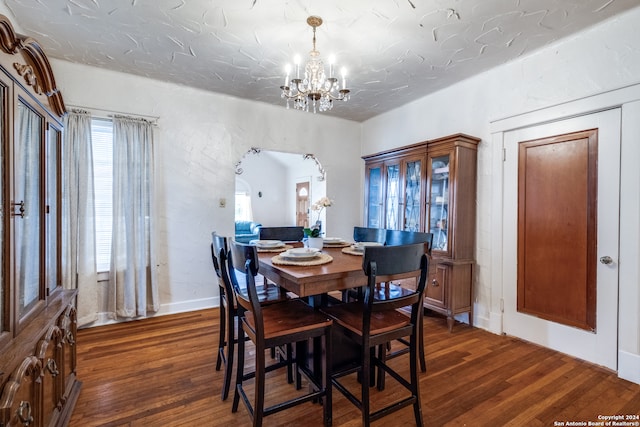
x=431 y=187
x=38 y=385
x=394 y=189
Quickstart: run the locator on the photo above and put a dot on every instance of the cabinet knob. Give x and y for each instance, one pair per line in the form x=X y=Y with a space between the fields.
x=52 y=367
x=70 y=338
x=24 y=413
x=435 y=283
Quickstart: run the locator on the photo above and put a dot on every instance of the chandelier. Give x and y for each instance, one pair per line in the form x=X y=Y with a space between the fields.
x=314 y=88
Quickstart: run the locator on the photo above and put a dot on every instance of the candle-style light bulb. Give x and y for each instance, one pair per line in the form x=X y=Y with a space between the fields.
x=296 y=60
x=344 y=78
x=287 y=70
x=332 y=60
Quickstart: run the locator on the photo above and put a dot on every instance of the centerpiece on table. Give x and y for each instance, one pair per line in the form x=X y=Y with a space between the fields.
x=313 y=234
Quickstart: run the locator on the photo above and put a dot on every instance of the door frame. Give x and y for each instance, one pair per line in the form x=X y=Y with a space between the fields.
x=598 y=346
x=297 y=199
x=628 y=99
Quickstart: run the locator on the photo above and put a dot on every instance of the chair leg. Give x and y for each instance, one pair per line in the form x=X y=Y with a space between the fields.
x=221 y=342
x=258 y=406
x=290 y=378
x=228 y=369
x=367 y=381
x=382 y=355
x=423 y=361
x=415 y=385
x=328 y=409
x=239 y=369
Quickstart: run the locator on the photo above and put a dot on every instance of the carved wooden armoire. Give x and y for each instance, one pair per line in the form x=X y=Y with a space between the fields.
x=38 y=385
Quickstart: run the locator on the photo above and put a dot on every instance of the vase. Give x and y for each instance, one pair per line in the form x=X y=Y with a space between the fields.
x=315 y=242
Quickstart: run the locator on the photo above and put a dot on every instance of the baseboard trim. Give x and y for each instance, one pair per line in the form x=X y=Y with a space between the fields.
x=191 y=305
x=495 y=322
x=165 y=309
x=629 y=366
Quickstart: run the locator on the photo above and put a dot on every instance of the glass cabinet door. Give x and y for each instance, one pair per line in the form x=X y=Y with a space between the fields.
x=54 y=143
x=27 y=208
x=412 y=195
x=392 y=199
x=439 y=202
x=374 y=197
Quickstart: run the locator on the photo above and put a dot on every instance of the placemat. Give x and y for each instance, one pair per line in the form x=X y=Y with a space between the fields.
x=319 y=260
x=351 y=251
x=336 y=245
x=278 y=249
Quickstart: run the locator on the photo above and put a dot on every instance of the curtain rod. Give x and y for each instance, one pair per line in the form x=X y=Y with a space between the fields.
x=101 y=112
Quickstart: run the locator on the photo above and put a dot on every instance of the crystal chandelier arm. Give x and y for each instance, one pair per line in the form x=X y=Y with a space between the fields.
x=341 y=96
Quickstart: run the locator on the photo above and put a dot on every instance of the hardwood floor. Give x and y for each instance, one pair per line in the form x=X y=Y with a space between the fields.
x=161 y=372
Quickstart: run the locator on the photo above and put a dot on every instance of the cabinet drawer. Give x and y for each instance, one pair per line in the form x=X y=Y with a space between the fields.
x=19 y=400
x=435 y=292
x=68 y=326
x=50 y=356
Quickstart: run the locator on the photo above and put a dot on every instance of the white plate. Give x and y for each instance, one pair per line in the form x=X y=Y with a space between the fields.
x=301 y=253
x=333 y=240
x=359 y=246
x=264 y=244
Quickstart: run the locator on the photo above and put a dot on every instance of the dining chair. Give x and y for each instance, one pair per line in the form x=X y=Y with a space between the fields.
x=371 y=323
x=227 y=337
x=393 y=290
x=402 y=237
x=367 y=234
x=388 y=290
x=285 y=323
x=363 y=234
x=285 y=234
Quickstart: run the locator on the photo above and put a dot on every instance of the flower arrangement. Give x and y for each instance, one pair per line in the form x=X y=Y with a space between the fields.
x=318 y=206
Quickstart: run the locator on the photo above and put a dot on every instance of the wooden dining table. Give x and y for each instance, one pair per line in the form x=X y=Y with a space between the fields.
x=343 y=272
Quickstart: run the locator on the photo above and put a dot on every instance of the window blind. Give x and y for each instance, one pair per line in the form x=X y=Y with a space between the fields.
x=102 y=141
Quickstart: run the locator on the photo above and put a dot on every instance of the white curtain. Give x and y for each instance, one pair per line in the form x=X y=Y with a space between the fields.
x=78 y=215
x=133 y=287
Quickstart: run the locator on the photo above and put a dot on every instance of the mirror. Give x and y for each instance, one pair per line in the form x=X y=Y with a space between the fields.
x=275 y=188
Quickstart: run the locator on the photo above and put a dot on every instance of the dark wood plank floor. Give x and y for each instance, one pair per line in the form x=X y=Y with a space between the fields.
x=161 y=372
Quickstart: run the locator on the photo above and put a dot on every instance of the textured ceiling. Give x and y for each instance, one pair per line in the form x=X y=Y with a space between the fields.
x=395 y=51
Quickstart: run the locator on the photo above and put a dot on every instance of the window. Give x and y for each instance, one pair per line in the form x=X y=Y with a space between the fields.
x=102 y=139
x=243 y=207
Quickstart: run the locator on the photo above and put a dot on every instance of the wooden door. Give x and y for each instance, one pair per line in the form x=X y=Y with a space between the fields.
x=559 y=288
x=557 y=191
x=302 y=204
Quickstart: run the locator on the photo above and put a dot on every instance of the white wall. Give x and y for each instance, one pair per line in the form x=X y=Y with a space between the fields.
x=594 y=61
x=200 y=137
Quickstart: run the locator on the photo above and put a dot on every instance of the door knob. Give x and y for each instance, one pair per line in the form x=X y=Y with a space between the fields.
x=606 y=260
